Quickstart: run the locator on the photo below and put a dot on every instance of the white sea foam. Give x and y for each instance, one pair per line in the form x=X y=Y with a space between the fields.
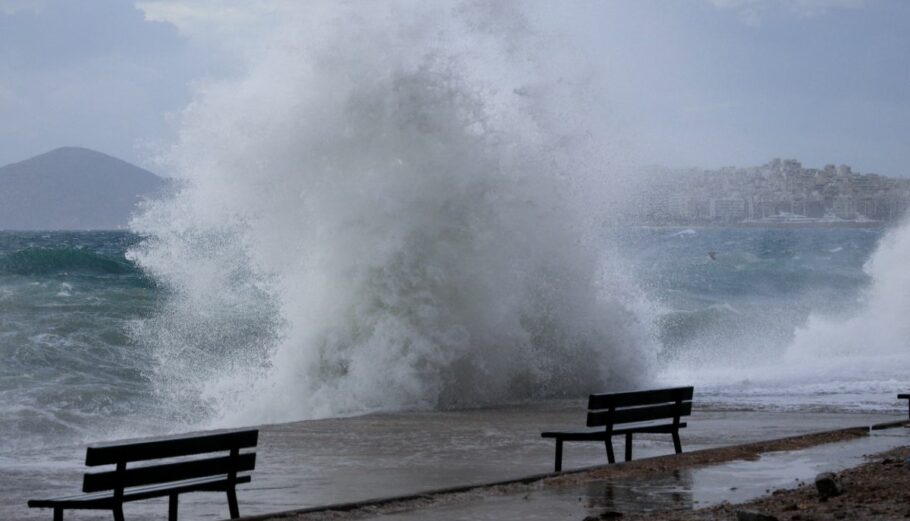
x=393 y=206
x=853 y=359
x=684 y=233
x=876 y=339
x=66 y=290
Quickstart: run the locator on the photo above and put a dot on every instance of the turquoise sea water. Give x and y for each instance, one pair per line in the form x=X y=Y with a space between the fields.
x=74 y=364
x=760 y=285
x=68 y=363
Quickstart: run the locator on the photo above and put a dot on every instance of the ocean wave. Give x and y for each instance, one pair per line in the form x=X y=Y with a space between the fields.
x=401 y=225
x=48 y=261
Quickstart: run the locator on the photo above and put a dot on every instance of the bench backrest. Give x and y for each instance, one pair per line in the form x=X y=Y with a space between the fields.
x=639 y=406
x=120 y=454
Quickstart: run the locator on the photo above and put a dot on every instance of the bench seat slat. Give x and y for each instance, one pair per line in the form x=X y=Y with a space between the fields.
x=628 y=413
x=600 y=435
x=639 y=414
x=106 y=499
x=631 y=398
x=168 y=472
x=111 y=453
x=109 y=490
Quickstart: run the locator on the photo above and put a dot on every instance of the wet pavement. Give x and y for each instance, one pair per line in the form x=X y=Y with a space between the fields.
x=322 y=462
x=687 y=489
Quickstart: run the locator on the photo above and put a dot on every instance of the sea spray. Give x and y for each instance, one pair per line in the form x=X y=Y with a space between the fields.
x=874 y=340
x=810 y=319
x=391 y=208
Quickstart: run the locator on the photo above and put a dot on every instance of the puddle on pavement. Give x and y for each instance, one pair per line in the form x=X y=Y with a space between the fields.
x=735 y=482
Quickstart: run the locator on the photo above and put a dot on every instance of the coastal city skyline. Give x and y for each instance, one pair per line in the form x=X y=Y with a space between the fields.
x=781 y=191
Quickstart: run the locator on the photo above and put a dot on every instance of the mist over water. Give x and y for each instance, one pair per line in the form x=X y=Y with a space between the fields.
x=409 y=206
x=395 y=206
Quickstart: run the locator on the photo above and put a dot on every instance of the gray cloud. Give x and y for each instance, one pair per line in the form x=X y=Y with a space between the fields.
x=93 y=73
x=821 y=80
x=754 y=11
x=15 y=6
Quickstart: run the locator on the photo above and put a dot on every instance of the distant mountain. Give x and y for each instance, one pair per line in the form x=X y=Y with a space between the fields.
x=73 y=189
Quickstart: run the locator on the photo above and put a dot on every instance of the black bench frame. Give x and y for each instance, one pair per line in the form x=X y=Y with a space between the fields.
x=905 y=397
x=109 y=490
x=643 y=409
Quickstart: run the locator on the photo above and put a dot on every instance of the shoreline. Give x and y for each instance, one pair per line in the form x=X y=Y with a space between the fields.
x=313 y=463
x=643 y=468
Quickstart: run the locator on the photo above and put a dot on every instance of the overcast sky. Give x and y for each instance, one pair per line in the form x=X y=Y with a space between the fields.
x=693 y=82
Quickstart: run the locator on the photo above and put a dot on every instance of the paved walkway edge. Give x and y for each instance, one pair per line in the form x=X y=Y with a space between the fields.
x=759 y=446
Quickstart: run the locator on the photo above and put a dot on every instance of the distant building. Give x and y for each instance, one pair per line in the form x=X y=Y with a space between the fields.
x=844 y=207
x=780 y=189
x=728 y=210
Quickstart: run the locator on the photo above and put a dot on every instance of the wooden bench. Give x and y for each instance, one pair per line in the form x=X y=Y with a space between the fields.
x=110 y=489
x=905 y=397
x=641 y=411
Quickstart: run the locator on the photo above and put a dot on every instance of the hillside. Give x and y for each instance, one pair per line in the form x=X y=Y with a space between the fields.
x=72 y=189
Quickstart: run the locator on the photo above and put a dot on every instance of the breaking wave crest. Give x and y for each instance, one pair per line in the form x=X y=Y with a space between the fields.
x=813 y=332
x=392 y=208
x=875 y=340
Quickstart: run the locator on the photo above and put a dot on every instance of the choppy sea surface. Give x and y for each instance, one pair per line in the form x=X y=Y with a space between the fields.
x=804 y=319
x=781 y=331
x=734 y=312
x=69 y=364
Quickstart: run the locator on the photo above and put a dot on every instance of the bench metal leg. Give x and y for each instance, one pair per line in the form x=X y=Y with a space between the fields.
x=609 y=443
x=628 y=446
x=232 y=503
x=676 y=443
x=58 y=514
x=172 y=507
x=558 y=466
x=118 y=512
